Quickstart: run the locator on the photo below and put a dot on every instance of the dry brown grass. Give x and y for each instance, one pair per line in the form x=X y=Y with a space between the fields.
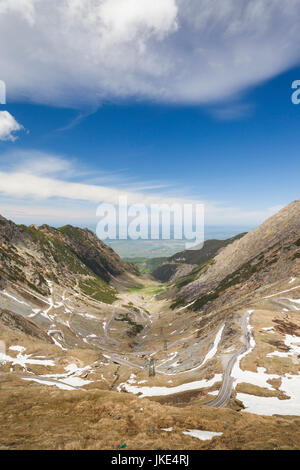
x=35 y=417
x=259 y=391
x=267 y=342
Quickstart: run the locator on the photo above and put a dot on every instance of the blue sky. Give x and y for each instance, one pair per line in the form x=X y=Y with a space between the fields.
x=228 y=139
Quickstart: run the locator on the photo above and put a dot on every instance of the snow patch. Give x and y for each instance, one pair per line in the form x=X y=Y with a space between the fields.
x=269 y=406
x=293 y=343
x=163 y=391
x=14 y=298
x=24 y=359
x=202 y=435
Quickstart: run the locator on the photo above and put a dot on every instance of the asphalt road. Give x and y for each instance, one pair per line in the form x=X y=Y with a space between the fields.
x=226 y=388
x=115 y=341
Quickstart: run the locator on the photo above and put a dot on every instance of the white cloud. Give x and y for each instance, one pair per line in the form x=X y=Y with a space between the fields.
x=37 y=163
x=232 y=111
x=196 y=51
x=24 y=8
x=26 y=185
x=37 y=186
x=121 y=21
x=8 y=126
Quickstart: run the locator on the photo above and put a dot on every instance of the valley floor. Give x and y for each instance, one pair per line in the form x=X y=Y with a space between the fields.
x=89 y=387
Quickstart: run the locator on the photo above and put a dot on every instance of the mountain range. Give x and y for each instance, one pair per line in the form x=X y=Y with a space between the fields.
x=208 y=344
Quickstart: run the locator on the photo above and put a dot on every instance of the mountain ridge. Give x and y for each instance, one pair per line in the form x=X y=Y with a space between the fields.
x=67 y=255
x=182 y=263
x=271 y=247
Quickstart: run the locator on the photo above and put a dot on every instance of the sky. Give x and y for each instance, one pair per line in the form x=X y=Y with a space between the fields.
x=162 y=101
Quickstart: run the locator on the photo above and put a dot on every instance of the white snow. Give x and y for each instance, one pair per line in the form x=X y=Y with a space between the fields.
x=17 y=348
x=163 y=391
x=45 y=382
x=211 y=353
x=68 y=381
x=295 y=301
x=282 y=292
x=75 y=381
x=293 y=343
x=290 y=384
x=14 y=298
x=86 y=315
x=269 y=328
x=24 y=359
x=50 y=333
x=259 y=378
x=203 y=435
x=237 y=373
x=186 y=306
x=175 y=364
x=167 y=429
x=170 y=357
x=131 y=379
x=269 y=406
x=293 y=279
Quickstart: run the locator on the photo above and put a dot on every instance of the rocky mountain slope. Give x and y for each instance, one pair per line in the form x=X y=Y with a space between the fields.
x=217 y=352
x=266 y=254
x=69 y=256
x=185 y=262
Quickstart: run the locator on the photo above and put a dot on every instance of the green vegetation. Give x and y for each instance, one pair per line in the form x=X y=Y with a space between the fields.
x=297 y=243
x=57 y=250
x=147 y=290
x=131 y=307
x=165 y=271
x=135 y=328
x=64 y=257
x=237 y=277
x=146 y=265
x=78 y=234
x=98 y=289
x=197 y=272
x=179 y=302
x=146 y=248
x=36 y=234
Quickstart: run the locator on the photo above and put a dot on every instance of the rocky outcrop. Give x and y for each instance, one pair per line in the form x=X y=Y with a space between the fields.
x=183 y=263
x=70 y=256
x=18 y=322
x=268 y=253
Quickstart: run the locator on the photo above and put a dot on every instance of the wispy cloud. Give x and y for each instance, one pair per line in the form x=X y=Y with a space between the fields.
x=48 y=187
x=232 y=111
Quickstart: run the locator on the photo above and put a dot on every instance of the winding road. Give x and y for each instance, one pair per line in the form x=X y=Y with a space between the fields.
x=226 y=388
x=115 y=341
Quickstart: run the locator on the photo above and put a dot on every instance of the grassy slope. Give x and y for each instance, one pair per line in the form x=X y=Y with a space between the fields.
x=56 y=419
x=146 y=265
x=59 y=255
x=210 y=248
